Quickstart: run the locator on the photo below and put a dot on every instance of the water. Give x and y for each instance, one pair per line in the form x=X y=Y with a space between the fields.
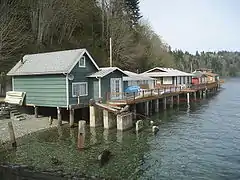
x=200 y=142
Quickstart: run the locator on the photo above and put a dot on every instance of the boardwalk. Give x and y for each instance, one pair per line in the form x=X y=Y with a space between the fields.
x=151 y=94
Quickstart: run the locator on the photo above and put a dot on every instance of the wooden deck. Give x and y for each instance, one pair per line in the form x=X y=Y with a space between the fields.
x=147 y=95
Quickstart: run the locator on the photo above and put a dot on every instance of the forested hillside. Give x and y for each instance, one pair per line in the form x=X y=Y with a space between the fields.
x=31 y=26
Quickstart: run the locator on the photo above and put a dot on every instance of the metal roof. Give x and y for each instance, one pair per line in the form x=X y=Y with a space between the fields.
x=168 y=72
x=105 y=71
x=135 y=77
x=49 y=63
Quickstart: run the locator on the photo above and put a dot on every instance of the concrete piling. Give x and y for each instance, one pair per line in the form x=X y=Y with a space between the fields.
x=71 y=115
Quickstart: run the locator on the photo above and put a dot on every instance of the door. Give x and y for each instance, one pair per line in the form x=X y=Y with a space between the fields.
x=116 y=88
x=95 y=89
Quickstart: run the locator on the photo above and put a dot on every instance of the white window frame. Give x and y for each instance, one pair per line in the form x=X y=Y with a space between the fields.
x=80 y=83
x=84 y=58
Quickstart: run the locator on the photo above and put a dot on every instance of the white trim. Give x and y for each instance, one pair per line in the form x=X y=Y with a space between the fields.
x=99 y=88
x=13 y=83
x=84 y=51
x=67 y=92
x=84 y=64
x=86 y=83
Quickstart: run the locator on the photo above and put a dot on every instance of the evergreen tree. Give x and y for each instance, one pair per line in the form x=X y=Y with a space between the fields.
x=133 y=10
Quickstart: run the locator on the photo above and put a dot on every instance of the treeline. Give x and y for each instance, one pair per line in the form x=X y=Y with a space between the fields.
x=224 y=63
x=32 y=26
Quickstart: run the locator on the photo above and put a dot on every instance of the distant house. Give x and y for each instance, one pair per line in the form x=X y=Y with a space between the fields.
x=199 y=77
x=169 y=76
x=211 y=77
x=63 y=79
x=134 y=79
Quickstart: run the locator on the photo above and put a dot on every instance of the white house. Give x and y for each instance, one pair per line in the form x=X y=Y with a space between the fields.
x=169 y=76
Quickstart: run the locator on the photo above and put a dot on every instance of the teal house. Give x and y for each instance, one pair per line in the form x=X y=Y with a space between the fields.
x=64 y=79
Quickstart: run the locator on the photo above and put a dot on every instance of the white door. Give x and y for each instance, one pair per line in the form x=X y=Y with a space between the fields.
x=116 y=88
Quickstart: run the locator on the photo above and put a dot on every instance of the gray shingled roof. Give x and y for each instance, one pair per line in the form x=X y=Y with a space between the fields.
x=49 y=63
x=105 y=71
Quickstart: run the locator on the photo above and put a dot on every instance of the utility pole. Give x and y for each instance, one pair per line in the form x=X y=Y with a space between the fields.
x=110 y=57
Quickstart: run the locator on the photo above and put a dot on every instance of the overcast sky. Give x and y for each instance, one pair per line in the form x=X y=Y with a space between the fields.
x=203 y=25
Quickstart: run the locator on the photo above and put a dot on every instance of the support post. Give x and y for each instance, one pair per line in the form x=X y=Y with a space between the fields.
x=36 y=111
x=146 y=108
x=156 y=105
x=71 y=117
x=195 y=96
x=134 y=110
x=178 y=100
x=12 y=134
x=59 y=116
x=150 y=108
x=165 y=103
x=188 y=98
x=81 y=134
x=108 y=120
x=124 y=121
x=171 y=101
x=95 y=117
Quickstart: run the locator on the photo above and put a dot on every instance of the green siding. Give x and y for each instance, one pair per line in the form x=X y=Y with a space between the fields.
x=80 y=74
x=106 y=83
x=43 y=90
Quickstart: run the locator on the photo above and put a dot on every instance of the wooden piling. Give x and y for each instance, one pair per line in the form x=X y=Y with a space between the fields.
x=81 y=134
x=12 y=134
x=165 y=103
x=36 y=111
x=71 y=118
x=59 y=116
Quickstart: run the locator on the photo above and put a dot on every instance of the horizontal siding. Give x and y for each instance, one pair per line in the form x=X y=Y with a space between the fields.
x=48 y=91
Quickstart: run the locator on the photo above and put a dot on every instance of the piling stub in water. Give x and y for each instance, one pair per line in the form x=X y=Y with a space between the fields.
x=81 y=133
x=12 y=134
x=139 y=125
x=104 y=157
x=155 y=129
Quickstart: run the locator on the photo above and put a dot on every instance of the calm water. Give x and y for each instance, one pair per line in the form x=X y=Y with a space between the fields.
x=200 y=142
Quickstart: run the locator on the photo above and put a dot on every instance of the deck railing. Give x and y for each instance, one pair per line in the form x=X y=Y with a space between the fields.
x=123 y=96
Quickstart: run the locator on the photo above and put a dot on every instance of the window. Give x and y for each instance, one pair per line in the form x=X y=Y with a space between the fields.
x=79 y=89
x=82 y=62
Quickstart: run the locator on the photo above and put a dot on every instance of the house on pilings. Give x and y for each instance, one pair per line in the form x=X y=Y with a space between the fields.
x=63 y=80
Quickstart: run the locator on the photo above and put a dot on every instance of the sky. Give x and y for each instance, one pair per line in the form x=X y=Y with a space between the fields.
x=191 y=25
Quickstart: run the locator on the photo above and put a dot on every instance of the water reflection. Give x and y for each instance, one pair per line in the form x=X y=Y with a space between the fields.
x=93 y=136
x=106 y=135
x=119 y=136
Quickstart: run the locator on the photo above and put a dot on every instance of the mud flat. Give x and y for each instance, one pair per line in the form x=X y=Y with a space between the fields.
x=25 y=127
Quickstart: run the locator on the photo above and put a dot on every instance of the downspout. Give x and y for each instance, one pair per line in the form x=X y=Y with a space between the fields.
x=67 y=90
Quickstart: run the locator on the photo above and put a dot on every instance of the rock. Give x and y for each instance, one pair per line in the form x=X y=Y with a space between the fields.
x=104 y=157
x=155 y=129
